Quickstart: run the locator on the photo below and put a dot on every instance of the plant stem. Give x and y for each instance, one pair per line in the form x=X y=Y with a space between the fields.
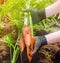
x=15 y=55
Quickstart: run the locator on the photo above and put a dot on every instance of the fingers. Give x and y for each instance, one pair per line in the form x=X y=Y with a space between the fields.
x=34 y=52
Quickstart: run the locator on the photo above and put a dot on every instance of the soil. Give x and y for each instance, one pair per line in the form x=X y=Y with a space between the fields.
x=4 y=52
x=8 y=27
x=47 y=54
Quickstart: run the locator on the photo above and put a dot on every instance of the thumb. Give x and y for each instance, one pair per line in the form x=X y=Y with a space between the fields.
x=34 y=51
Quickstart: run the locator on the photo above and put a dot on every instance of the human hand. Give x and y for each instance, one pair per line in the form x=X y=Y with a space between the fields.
x=37 y=15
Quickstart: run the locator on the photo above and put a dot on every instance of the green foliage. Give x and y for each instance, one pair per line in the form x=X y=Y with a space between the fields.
x=8 y=39
x=47 y=24
x=47 y=54
x=10 y=43
x=39 y=4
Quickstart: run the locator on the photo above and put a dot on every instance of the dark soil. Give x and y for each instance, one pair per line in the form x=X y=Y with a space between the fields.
x=47 y=54
x=8 y=27
x=4 y=53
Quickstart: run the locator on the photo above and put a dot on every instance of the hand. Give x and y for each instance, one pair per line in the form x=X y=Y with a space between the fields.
x=39 y=41
x=37 y=15
x=37 y=45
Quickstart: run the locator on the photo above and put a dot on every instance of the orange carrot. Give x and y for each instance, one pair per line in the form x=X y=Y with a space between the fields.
x=29 y=41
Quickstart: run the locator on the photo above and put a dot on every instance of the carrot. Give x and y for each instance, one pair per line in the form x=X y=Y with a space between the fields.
x=29 y=41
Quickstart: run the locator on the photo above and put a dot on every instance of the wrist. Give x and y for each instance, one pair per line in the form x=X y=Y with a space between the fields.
x=43 y=40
